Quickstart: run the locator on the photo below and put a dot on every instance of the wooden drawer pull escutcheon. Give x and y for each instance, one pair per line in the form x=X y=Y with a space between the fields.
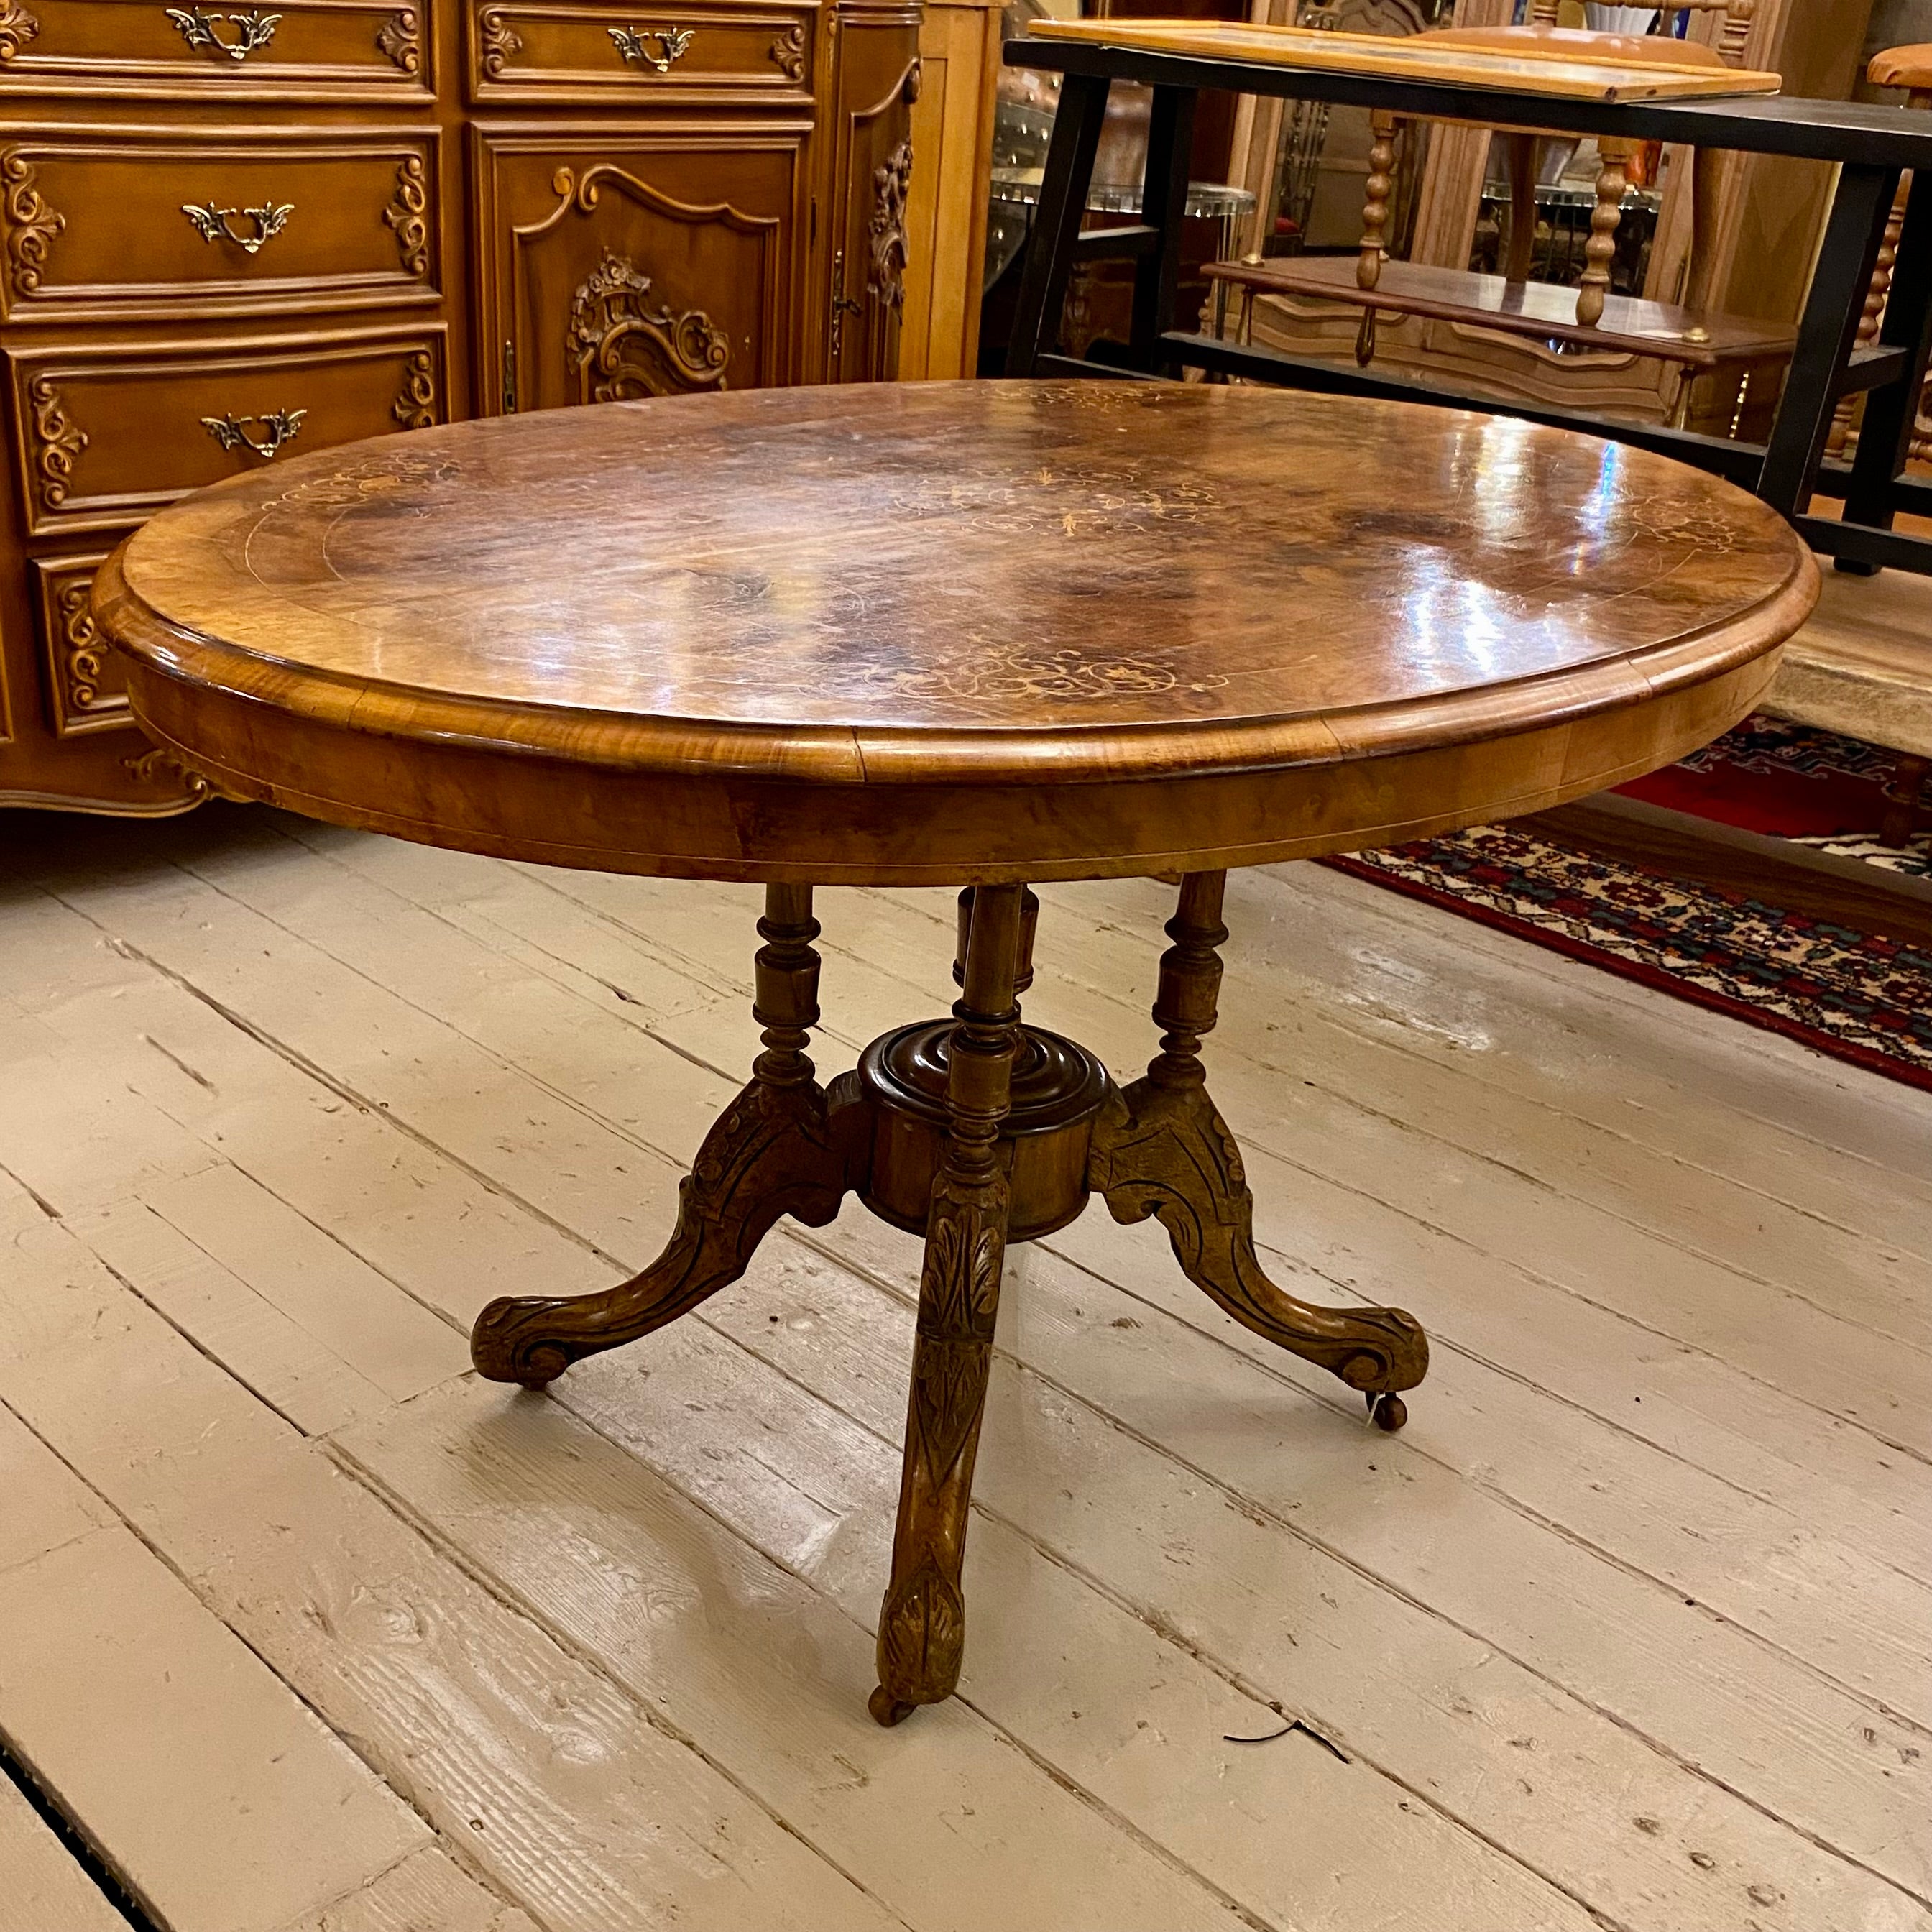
x=673 y=43
x=282 y=427
x=254 y=29
x=217 y=224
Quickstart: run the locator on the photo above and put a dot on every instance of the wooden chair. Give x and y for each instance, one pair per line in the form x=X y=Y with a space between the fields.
x=1688 y=334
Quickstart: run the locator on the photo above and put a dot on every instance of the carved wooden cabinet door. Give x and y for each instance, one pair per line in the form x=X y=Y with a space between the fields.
x=617 y=262
x=870 y=133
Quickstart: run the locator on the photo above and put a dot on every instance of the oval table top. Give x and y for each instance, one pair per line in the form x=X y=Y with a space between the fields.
x=950 y=632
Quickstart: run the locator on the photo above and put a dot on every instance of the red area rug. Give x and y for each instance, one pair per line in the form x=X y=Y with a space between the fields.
x=1856 y=996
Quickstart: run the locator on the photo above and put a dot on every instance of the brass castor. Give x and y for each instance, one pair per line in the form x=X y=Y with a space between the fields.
x=1388 y=1411
x=888 y=1710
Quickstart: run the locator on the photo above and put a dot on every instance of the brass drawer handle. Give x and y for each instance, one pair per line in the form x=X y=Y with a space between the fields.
x=231 y=432
x=674 y=43
x=217 y=224
x=254 y=29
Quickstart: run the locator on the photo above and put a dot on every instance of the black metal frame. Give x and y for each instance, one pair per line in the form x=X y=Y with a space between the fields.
x=1873 y=146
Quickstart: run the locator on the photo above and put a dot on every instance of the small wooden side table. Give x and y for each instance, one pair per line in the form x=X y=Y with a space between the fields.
x=967 y=634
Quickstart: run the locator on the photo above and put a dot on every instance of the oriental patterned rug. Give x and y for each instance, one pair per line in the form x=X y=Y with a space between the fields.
x=1859 y=996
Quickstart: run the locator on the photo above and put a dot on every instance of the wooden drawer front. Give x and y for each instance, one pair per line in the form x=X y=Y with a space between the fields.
x=351 y=49
x=531 y=52
x=617 y=264
x=85 y=689
x=108 y=436
x=103 y=225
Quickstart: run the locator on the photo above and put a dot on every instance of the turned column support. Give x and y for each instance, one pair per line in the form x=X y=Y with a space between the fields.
x=923 y=1621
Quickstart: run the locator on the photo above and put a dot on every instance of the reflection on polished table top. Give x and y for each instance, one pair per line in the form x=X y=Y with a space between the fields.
x=979 y=632
x=954 y=631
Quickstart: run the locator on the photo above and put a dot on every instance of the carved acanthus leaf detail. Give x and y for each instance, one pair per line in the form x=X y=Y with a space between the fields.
x=414 y=408
x=501 y=43
x=618 y=347
x=399 y=40
x=57 y=443
x=407 y=213
x=885 y=281
x=32 y=225
x=788 y=51
x=17 y=27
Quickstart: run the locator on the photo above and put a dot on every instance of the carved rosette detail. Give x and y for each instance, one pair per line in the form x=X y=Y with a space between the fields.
x=414 y=408
x=17 y=27
x=32 y=225
x=407 y=213
x=83 y=654
x=619 y=347
x=885 y=281
x=399 y=40
x=501 y=41
x=788 y=50
x=57 y=442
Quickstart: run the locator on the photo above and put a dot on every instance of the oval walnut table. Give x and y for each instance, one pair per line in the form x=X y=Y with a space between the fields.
x=970 y=634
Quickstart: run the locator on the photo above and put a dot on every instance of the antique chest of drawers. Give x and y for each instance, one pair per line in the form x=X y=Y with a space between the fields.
x=229 y=232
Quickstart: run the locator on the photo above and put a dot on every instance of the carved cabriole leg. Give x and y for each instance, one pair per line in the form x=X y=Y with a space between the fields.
x=782 y=1147
x=1604 y=218
x=1161 y=1149
x=922 y=1624
x=1375 y=209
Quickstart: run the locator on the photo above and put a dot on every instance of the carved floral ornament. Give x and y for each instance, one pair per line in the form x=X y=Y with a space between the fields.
x=618 y=347
x=415 y=406
x=32 y=225
x=788 y=50
x=57 y=442
x=501 y=42
x=82 y=653
x=885 y=281
x=399 y=40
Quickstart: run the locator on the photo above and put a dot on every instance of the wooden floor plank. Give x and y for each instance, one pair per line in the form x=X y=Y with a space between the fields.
x=42 y=1887
x=935 y=1819
x=1419 y=1700
x=47 y=1505
x=221 y=1803
x=576 y=1805
x=380 y=940
x=425 y=1893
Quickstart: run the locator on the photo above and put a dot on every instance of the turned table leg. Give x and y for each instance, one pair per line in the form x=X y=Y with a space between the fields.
x=782 y=1147
x=1160 y=1148
x=922 y=1624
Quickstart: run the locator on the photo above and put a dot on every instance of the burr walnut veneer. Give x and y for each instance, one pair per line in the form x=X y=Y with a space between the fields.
x=974 y=633
x=230 y=236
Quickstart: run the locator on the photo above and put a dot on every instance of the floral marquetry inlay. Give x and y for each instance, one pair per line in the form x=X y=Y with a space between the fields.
x=32 y=225
x=619 y=347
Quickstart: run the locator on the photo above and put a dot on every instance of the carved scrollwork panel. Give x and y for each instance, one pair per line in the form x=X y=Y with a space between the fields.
x=31 y=224
x=885 y=277
x=407 y=214
x=618 y=347
x=158 y=767
x=500 y=42
x=84 y=693
x=414 y=407
x=54 y=442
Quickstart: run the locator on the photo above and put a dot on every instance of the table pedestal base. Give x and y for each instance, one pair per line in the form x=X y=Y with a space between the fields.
x=976 y=1131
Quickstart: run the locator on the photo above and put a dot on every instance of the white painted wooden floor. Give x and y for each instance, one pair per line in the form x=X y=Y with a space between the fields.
x=1630 y=1629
